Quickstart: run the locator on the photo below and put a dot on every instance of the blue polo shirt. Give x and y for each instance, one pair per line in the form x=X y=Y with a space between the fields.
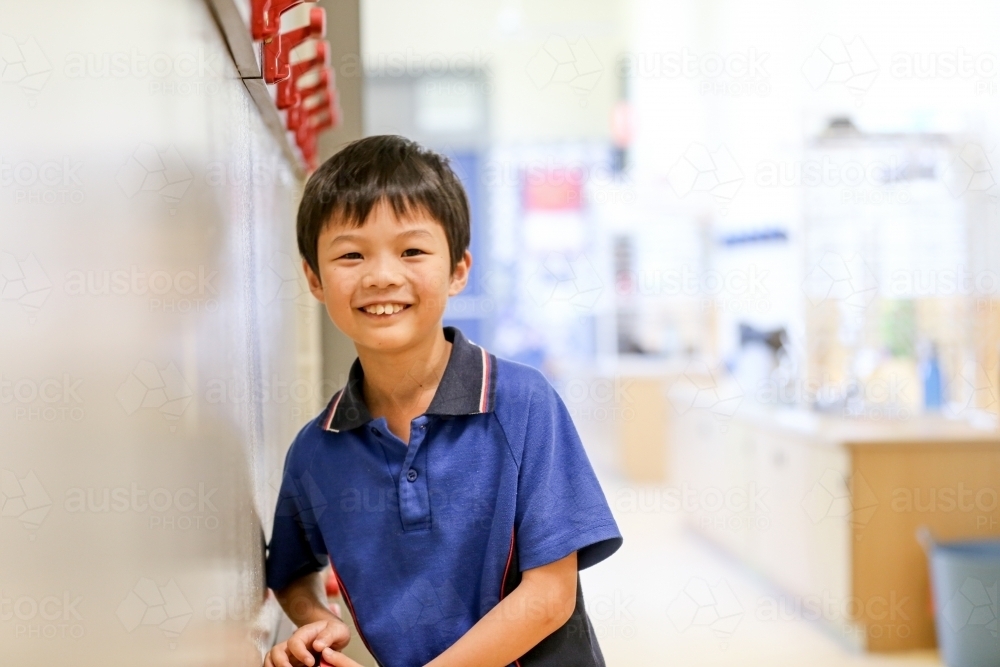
x=426 y=538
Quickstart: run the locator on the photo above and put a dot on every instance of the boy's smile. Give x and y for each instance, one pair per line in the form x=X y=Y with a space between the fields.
x=384 y=310
x=386 y=284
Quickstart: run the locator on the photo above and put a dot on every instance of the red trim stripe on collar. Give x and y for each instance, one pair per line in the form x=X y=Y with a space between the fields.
x=484 y=390
x=333 y=409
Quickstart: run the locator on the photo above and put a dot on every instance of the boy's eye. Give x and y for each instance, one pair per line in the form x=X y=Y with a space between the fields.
x=350 y=255
x=411 y=252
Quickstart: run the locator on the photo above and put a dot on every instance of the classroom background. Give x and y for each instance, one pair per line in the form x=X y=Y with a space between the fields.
x=754 y=245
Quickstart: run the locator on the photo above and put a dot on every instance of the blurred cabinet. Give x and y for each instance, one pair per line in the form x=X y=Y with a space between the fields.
x=643 y=430
x=647 y=395
x=827 y=509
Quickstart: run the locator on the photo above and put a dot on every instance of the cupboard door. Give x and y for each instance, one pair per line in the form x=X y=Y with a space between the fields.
x=806 y=547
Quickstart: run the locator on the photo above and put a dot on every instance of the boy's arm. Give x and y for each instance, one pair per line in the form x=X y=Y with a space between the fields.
x=540 y=605
x=304 y=600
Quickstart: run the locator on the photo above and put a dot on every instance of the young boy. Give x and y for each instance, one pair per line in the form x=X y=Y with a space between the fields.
x=448 y=488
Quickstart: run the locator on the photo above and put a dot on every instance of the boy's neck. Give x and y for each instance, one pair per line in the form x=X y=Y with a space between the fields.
x=400 y=384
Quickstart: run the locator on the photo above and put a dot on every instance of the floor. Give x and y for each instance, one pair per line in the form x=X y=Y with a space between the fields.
x=670 y=597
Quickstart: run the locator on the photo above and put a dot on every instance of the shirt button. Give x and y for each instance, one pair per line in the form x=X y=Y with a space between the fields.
x=376 y=431
x=411 y=475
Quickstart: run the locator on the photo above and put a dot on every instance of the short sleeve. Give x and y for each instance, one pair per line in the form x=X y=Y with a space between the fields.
x=296 y=547
x=560 y=505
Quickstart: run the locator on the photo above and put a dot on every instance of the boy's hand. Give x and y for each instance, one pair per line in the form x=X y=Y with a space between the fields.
x=321 y=637
x=334 y=659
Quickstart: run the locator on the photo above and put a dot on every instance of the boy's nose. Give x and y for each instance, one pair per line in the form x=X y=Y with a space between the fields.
x=382 y=274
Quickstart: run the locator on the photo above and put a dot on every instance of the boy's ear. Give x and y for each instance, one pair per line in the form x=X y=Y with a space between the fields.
x=460 y=276
x=315 y=286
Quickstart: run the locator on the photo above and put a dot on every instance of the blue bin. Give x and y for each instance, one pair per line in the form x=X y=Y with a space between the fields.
x=965 y=582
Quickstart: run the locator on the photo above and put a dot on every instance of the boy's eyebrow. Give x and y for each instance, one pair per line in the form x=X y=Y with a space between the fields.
x=409 y=232
x=343 y=237
x=416 y=232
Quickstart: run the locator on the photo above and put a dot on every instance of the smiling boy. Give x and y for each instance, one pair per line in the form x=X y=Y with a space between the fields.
x=448 y=488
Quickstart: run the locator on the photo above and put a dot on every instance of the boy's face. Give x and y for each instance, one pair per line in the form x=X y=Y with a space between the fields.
x=400 y=265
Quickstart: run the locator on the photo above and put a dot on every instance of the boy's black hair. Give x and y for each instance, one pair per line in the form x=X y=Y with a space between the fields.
x=386 y=168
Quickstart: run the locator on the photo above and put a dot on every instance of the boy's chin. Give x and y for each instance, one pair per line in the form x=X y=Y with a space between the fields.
x=397 y=336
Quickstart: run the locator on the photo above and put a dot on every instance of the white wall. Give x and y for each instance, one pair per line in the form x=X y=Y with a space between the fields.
x=521 y=43
x=165 y=174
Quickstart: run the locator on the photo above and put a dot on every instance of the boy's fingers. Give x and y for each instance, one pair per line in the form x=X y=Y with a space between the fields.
x=297 y=647
x=332 y=636
x=277 y=658
x=322 y=640
x=336 y=659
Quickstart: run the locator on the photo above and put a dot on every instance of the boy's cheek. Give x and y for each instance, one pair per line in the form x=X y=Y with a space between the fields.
x=335 y=296
x=342 y=309
x=435 y=291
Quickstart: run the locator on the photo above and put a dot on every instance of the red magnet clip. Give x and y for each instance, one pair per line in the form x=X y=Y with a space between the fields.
x=324 y=122
x=306 y=123
x=293 y=118
x=303 y=127
x=266 y=20
x=296 y=117
x=288 y=92
x=311 y=123
x=277 y=49
x=317 y=97
x=297 y=94
x=305 y=139
x=297 y=122
x=321 y=87
x=325 y=117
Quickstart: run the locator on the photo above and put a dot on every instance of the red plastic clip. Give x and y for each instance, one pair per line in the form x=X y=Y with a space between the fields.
x=304 y=134
x=266 y=16
x=288 y=91
x=295 y=94
x=293 y=118
x=277 y=49
x=322 y=86
x=307 y=122
x=324 y=117
x=305 y=139
x=297 y=116
x=325 y=121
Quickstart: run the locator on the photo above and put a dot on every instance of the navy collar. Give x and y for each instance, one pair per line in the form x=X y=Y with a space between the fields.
x=467 y=387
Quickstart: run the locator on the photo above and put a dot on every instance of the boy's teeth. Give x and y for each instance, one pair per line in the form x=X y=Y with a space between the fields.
x=384 y=309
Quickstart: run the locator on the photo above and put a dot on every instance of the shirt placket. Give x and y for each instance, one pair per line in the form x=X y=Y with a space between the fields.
x=414 y=498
